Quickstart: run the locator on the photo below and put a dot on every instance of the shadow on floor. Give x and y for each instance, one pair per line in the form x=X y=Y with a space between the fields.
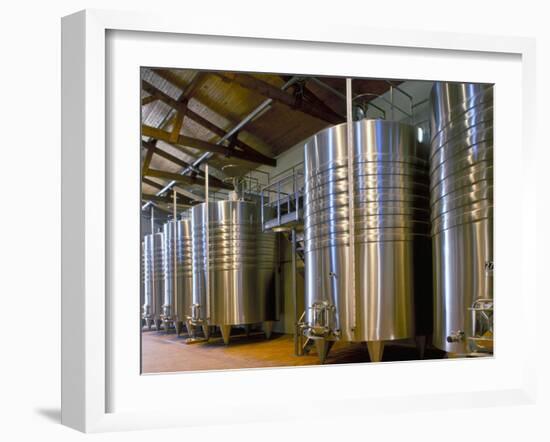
x=51 y=414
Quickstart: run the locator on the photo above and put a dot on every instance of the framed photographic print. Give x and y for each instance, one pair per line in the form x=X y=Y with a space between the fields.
x=316 y=222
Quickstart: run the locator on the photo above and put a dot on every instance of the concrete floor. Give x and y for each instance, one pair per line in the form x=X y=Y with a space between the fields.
x=163 y=353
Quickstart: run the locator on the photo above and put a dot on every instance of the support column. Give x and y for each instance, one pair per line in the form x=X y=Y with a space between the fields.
x=297 y=349
x=206 y=331
x=268 y=329
x=421 y=345
x=323 y=347
x=226 y=333
x=376 y=350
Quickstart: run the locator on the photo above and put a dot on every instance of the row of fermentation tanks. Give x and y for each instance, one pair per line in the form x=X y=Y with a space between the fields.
x=212 y=268
x=397 y=239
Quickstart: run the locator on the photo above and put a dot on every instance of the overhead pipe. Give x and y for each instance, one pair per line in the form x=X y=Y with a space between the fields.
x=207 y=240
x=175 y=307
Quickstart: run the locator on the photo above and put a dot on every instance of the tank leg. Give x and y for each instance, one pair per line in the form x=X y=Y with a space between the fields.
x=206 y=332
x=268 y=329
x=323 y=347
x=157 y=324
x=376 y=350
x=179 y=326
x=166 y=325
x=421 y=345
x=307 y=346
x=148 y=324
x=190 y=329
x=247 y=329
x=450 y=355
x=226 y=333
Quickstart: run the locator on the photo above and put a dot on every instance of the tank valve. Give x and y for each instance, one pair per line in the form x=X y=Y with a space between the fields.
x=166 y=311
x=146 y=311
x=195 y=313
x=456 y=337
x=322 y=319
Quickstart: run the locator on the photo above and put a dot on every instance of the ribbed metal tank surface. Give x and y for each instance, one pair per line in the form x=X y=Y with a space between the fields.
x=177 y=308
x=241 y=264
x=153 y=250
x=461 y=171
x=391 y=216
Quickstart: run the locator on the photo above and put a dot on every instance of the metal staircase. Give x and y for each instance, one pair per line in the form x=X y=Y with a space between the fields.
x=300 y=245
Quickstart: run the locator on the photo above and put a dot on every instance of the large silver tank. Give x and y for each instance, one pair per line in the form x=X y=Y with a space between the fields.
x=391 y=212
x=153 y=250
x=461 y=169
x=177 y=252
x=241 y=270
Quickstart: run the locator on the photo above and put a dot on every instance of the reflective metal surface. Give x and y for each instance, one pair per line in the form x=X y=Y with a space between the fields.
x=178 y=298
x=153 y=276
x=461 y=170
x=241 y=267
x=391 y=206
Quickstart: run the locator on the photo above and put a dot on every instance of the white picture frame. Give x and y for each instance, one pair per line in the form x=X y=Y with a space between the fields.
x=88 y=177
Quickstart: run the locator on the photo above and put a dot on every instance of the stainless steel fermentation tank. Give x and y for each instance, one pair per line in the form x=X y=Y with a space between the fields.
x=461 y=171
x=178 y=273
x=153 y=276
x=391 y=218
x=234 y=283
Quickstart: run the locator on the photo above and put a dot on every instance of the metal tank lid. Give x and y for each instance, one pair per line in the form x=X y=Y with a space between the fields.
x=356 y=123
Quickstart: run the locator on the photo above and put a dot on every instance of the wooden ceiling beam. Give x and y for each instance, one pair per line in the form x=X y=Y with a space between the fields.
x=176 y=128
x=188 y=88
x=181 y=201
x=166 y=155
x=172 y=176
x=195 y=143
x=147 y=159
x=159 y=186
x=253 y=154
x=269 y=91
x=152 y=183
x=310 y=96
x=185 y=179
x=147 y=100
x=180 y=106
x=183 y=164
x=150 y=129
x=316 y=101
